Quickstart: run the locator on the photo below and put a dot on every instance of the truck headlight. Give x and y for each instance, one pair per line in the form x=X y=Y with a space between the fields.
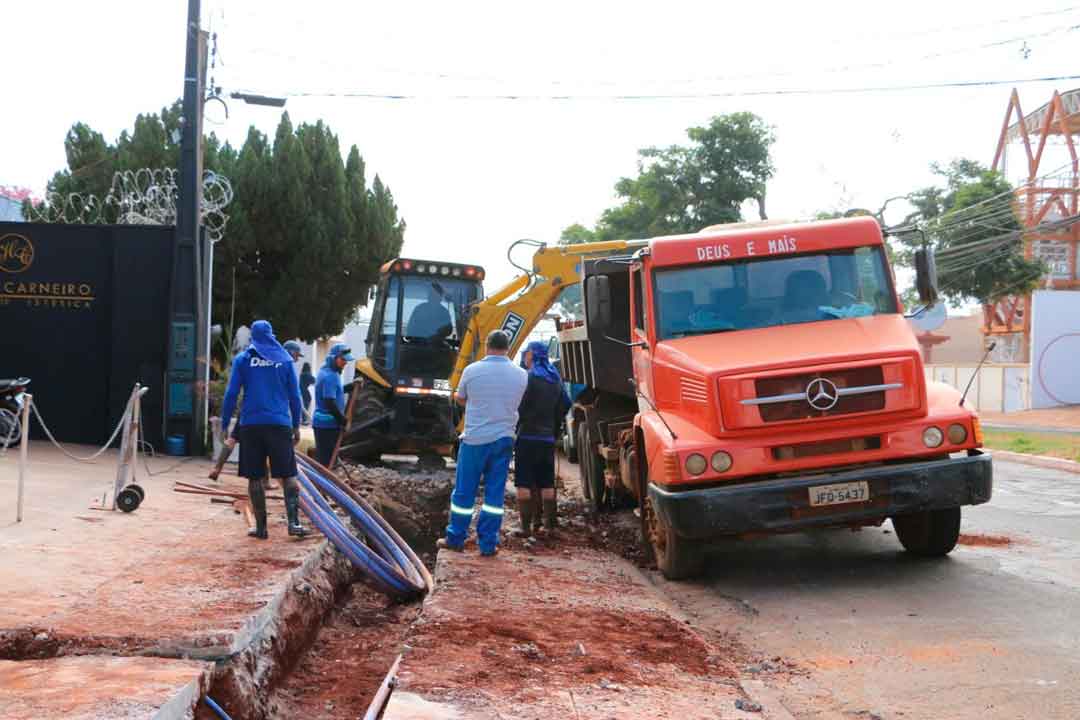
x=957 y=434
x=721 y=461
x=932 y=437
x=696 y=464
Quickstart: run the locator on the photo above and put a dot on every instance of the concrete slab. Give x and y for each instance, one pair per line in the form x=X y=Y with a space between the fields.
x=99 y=687
x=177 y=577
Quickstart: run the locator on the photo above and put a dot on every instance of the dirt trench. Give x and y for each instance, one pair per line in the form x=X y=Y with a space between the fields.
x=338 y=675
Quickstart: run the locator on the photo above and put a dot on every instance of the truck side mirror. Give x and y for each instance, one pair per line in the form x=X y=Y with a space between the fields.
x=598 y=302
x=926 y=282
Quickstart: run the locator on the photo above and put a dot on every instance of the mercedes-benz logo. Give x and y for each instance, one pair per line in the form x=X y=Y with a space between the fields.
x=821 y=394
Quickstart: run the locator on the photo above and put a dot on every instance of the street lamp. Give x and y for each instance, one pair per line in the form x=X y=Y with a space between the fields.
x=252 y=99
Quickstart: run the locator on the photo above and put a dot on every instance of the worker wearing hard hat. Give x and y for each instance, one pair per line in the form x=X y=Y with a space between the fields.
x=269 y=422
x=329 y=417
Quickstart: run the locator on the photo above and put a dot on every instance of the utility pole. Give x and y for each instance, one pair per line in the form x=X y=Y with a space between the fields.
x=188 y=303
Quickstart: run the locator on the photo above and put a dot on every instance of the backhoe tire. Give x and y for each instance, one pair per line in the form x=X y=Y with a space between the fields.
x=932 y=533
x=678 y=558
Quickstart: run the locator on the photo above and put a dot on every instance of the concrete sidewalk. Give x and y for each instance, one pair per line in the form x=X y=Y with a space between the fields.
x=1054 y=420
x=176 y=582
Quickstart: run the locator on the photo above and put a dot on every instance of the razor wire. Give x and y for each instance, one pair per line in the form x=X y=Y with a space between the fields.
x=147 y=196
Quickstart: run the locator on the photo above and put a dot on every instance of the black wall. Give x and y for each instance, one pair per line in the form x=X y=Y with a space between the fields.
x=86 y=319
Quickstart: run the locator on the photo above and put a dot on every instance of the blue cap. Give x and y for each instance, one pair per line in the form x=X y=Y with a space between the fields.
x=341 y=350
x=293 y=347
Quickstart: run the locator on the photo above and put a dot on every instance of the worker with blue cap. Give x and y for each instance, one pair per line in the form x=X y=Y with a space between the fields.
x=329 y=417
x=269 y=422
x=293 y=348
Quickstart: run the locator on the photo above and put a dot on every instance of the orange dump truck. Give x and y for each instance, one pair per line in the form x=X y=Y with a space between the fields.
x=763 y=379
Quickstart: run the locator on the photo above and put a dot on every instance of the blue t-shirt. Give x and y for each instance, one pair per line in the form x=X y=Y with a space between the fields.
x=271 y=395
x=492 y=388
x=328 y=386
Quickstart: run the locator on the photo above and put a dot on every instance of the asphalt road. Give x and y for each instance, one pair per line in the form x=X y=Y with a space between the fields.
x=988 y=632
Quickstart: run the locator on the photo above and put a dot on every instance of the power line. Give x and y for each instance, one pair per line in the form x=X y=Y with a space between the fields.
x=789 y=92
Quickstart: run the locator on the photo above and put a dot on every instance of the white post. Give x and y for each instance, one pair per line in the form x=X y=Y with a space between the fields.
x=23 y=450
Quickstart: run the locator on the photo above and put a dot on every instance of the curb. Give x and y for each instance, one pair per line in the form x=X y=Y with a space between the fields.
x=1043 y=461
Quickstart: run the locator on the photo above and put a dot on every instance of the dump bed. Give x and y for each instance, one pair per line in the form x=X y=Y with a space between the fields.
x=588 y=357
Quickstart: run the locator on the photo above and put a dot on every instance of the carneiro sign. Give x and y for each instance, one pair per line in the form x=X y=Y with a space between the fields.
x=16 y=258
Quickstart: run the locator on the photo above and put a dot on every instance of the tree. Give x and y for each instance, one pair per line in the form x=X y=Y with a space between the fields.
x=306 y=235
x=970 y=222
x=681 y=189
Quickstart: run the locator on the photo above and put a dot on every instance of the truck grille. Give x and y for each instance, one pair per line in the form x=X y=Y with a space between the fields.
x=799 y=409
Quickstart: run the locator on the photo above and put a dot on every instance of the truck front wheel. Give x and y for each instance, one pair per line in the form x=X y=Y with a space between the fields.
x=677 y=557
x=932 y=533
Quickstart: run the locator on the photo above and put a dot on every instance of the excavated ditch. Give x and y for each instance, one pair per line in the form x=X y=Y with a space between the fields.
x=336 y=673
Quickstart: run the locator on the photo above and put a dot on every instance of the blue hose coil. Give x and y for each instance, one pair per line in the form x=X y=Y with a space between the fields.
x=389 y=567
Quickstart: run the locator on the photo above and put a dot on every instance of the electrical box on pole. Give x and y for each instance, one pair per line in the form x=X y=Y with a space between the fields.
x=188 y=303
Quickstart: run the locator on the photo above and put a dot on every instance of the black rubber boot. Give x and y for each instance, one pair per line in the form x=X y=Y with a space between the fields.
x=292 y=507
x=550 y=508
x=258 y=506
x=526 y=507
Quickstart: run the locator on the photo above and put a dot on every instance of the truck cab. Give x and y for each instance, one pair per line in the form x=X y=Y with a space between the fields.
x=778 y=388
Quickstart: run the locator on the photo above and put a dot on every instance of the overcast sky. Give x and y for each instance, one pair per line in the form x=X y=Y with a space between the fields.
x=472 y=175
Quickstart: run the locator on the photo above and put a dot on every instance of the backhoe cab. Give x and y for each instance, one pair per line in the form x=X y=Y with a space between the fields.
x=403 y=385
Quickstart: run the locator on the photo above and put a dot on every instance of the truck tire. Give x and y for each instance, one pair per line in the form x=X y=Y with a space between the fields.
x=678 y=558
x=592 y=469
x=583 y=465
x=569 y=448
x=929 y=534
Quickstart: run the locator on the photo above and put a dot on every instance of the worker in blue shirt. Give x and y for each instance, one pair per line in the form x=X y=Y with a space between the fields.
x=329 y=417
x=269 y=422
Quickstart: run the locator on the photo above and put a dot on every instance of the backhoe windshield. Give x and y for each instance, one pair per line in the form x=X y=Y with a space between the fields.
x=423 y=320
x=773 y=291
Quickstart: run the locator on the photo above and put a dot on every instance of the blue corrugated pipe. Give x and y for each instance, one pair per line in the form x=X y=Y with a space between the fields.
x=216 y=708
x=389 y=563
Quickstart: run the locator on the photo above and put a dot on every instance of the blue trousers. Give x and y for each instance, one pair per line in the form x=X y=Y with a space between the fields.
x=492 y=461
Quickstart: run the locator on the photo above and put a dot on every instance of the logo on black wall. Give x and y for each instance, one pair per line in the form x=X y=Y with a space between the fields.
x=16 y=253
x=512 y=325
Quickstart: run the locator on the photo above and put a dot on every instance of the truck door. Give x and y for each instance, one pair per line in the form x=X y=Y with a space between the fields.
x=642 y=355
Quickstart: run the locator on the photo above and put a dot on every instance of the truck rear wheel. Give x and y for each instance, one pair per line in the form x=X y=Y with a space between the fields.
x=591 y=471
x=678 y=558
x=933 y=533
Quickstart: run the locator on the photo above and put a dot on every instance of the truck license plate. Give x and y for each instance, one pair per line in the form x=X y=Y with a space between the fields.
x=839 y=494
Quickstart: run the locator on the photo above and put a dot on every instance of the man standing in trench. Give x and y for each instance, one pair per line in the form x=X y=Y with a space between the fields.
x=491 y=390
x=269 y=423
x=541 y=414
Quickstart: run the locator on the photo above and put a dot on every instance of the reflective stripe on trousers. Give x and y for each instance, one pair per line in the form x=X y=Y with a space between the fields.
x=492 y=462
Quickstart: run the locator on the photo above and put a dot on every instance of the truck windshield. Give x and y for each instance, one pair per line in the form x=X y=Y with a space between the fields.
x=759 y=293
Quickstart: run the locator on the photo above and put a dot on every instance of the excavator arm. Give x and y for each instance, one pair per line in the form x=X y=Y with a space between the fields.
x=519 y=305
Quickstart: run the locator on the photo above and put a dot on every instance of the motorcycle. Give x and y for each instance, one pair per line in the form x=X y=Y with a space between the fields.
x=12 y=391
